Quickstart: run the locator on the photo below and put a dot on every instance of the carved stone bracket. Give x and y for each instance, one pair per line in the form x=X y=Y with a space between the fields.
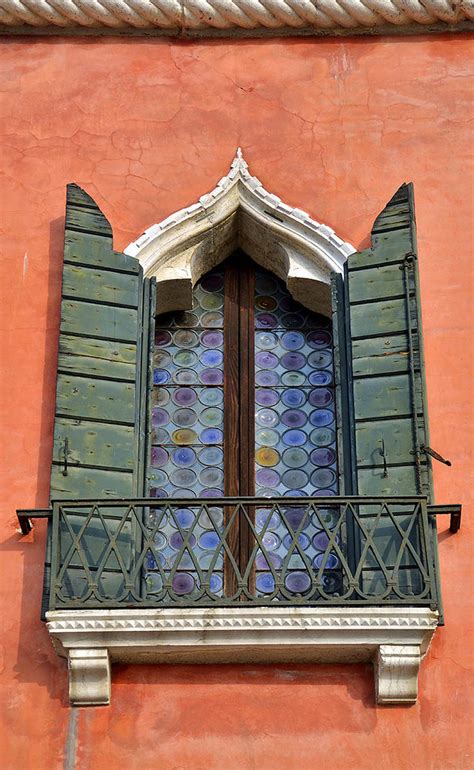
x=396 y=673
x=89 y=677
x=395 y=639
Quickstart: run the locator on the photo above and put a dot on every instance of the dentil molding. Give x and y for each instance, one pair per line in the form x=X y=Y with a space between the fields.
x=394 y=639
x=233 y=17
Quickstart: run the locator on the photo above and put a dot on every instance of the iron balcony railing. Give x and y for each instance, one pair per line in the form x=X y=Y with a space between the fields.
x=215 y=552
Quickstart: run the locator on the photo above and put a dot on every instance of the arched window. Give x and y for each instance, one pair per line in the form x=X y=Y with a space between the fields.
x=242 y=405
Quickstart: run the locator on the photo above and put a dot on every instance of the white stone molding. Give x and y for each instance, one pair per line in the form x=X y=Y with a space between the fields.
x=396 y=673
x=239 y=212
x=394 y=638
x=228 y=17
x=89 y=676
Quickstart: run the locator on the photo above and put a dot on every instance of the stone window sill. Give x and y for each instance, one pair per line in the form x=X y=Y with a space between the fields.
x=395 y=639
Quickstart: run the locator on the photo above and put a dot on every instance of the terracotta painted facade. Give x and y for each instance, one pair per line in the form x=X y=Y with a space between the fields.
x=146 y=127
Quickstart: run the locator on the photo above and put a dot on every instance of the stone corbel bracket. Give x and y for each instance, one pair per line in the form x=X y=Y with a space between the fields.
x=394 y=639
x=239 y=212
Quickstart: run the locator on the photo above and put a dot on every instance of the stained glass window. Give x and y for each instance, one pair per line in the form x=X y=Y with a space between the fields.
x=282 y=399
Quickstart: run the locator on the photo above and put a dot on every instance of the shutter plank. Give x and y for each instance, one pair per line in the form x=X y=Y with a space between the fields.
x=102 y=285
x=99 y=358
x=380 y=355
x=106 y=400
x=93 y=444
x=103 y=321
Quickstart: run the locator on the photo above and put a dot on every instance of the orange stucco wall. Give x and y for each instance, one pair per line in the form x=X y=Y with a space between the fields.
x=146 y=126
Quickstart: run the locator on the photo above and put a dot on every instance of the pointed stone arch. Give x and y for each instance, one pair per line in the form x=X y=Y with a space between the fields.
x=240 y=213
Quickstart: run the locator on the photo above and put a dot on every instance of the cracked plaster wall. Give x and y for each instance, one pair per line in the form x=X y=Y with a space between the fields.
x=147 y=126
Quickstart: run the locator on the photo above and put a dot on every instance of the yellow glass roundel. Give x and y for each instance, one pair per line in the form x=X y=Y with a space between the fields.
x=267 y=457
x=184 y=436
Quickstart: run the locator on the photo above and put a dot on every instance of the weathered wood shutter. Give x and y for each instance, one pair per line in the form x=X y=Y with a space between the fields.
x=385 y=352
x=386 y=403
x=101 y=378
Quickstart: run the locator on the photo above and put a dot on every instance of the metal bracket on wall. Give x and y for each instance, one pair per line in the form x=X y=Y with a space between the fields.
x=26 y=514
x=454 y=511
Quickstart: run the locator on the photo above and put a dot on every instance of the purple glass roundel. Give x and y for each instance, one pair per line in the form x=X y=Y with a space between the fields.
x=211 y=436
x=159 y=456
x=297 y=582
x=209 y=540
x=266 y=477
x=266 y=397
x=265 y=583
x=292 y=340
x=271 y=541
x=291 y=361
x=323 y=377
x=293 y=397
x=266 y=321
x=320 y=397
x=212 y=339
x=158 y=492
x=184 y=396
x=266 y=360
x=211 y=492
x=294 y=437
x=184 y=517
x=159 y=417
x=302 y=539
x=160 y=376
x=212 y=358
x=294 y=418
x=211 y=377
x=295 y=516
x=183 y=583
x=321 y=541
x=272 y=558
x=162 y=338
x=211 y=283
x=264 y=519
x=215 y=583
x=318 y=339
x=331 y=562
x=266 y=378
x=177 y=541
x=323 y=456
x=321 y=417
x=184 y=457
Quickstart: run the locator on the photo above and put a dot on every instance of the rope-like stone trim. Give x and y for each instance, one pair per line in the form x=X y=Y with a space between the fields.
x=203 y=16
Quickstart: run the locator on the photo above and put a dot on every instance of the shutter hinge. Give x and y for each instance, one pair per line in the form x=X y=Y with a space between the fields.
x=431 y=452
x=65 y=456
x=384 y=458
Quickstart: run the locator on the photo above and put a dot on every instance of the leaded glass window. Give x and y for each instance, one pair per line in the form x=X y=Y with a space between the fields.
x=242 y=405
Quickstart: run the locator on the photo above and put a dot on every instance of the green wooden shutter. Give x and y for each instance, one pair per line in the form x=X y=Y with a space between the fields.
x=101 y=378
x=385 y=351
x=386 y=393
